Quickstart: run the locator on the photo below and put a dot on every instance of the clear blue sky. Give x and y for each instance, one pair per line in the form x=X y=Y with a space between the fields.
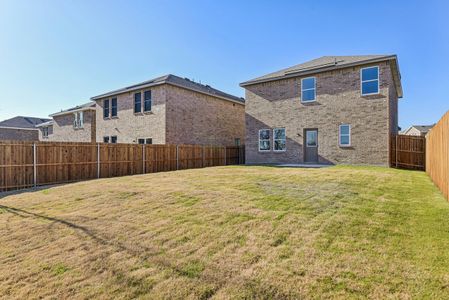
x=57 y=54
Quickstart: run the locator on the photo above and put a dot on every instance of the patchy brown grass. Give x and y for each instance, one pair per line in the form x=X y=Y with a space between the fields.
x=229 y=232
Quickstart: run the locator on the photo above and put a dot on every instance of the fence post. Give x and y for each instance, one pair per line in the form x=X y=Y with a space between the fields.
x=225 y=155
x=34 y=165
x=202 y=156
x=240 y=154
x=143 y=158
x=177 y=157
x=396 y=148
x=98 y=160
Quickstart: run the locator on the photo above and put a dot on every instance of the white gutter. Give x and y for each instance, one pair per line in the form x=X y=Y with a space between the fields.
x=71 y=111
x=17 y=128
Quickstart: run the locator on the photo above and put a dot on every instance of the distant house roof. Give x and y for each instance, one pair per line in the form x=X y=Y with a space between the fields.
x=85 y=106
x=327 y=63
x=23 y=122
x=421 y=128
x=176 y=81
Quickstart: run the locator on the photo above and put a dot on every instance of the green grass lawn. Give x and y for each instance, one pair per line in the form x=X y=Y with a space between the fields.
x=230 y=233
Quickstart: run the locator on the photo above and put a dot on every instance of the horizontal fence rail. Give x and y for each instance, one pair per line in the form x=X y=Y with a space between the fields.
x=408 y=152
x=437 y=157
x=28 y=164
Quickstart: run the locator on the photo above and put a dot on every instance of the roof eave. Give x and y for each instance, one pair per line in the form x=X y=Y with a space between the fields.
x=121 y=91
x=322 y=69
x=117 y=92
x=61 y=113
x=210 y=94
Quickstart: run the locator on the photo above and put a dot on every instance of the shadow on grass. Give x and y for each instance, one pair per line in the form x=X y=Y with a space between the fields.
x=141 y=253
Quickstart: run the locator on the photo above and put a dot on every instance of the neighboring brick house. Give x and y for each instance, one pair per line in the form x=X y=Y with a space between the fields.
x=332 y=110
x=76 y=124
x=418 y=130
x=21 y=128
x=170 y=110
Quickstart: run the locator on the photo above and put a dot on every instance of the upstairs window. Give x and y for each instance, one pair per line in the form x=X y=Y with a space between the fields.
x=147 y=101
x=114 y=107
x=137 y=102
x=237 y=141
x=345 y=135
x=106 y=108
x=45 y=132
x=308 y=89
x=369 y=80
x=264 y=140
x=114 y=139
x=81 y=119
x=78 y=119
x=279 y=139
x=105 y=139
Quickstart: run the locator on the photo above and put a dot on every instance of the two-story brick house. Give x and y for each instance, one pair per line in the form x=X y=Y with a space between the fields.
x=334 y=109
x=170 y=110
x=21 y=128
x=76 y=124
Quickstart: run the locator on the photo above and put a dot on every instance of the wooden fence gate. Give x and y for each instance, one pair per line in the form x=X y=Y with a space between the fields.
x=408 y=152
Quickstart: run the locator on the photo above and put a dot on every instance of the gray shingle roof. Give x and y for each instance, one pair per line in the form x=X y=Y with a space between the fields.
x=317 y=65
x=23 y=122
x=423 y=128
x=174 y=80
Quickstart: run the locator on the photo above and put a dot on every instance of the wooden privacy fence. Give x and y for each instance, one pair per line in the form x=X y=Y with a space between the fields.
x=27 y=164
x=408 y=152
x=437 y=157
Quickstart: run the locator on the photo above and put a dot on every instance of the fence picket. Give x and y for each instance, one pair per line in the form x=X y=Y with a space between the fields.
x=28 y=164
x=437 y=157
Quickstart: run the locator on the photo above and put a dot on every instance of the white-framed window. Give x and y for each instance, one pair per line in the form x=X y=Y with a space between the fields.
x=312 y=138
x=308 y=89
x=114 y=107
x=279 y=139
x=264 y=140
x=147 y=101
x=369 y=81
x=105 y=139
x=137 y=102
x=145 y=141
x=105 y=108
x=344 y=136
x=45 y=132
x=78 y=119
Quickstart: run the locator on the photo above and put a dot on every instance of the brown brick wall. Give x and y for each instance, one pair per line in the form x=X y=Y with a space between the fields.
x=195 y=118
x=338 y=101
x=127 y=126
x=18 y=134
x=178 y=116
x=63 y=130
